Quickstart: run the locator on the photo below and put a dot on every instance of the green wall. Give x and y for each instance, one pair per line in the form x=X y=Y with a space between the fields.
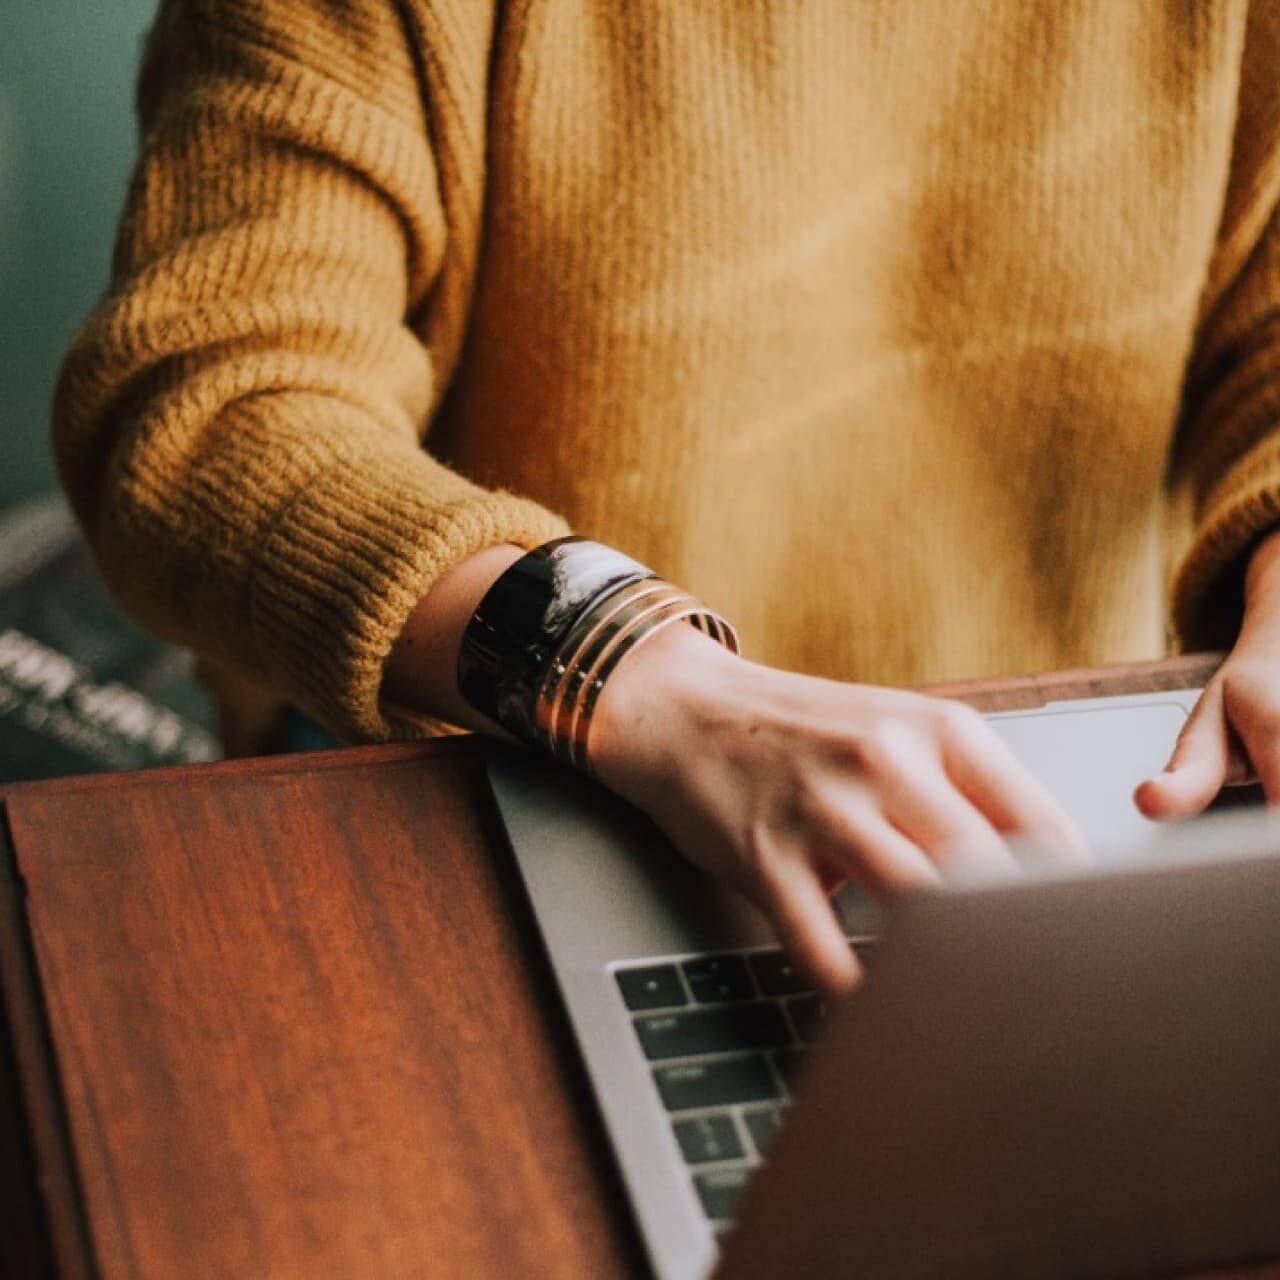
x=66 y=146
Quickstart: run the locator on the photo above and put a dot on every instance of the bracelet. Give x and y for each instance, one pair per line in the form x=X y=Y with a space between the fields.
x=523 y=618
x=567 y=700
x=553 y=628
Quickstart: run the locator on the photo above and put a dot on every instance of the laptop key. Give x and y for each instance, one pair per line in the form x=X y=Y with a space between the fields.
x=654 y=987
x=727 y=1029
x=762 y=1123
x=721 y=1082
x=720 y=1191
x=776 y=974
x=704 y=1138
x=718 y=979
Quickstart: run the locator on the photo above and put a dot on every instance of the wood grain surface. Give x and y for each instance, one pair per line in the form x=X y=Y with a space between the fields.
x=288 y=1018
x=1016 y=692
x=299 y=1033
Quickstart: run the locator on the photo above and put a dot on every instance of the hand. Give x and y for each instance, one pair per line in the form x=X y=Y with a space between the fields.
x=787 y=786
x=1233 y=734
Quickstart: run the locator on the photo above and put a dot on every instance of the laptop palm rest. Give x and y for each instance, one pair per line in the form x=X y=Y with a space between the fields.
x=605 y=885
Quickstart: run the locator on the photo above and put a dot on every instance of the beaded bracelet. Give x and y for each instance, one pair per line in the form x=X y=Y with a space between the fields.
x=553 y=628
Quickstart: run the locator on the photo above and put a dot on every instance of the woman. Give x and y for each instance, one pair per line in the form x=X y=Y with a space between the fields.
x=920 y=341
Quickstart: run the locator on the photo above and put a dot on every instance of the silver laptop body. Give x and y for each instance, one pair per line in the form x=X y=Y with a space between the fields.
x=614 y=902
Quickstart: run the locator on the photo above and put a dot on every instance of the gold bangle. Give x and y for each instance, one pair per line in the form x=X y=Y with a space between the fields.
x=561 y=687
x=580 y=727
x=591 y=652
x=562 y=676
x=596 y=666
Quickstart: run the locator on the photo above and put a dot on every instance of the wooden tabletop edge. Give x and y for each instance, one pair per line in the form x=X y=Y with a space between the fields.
x=1186 y=671
x=458 y=746
x=996 y=693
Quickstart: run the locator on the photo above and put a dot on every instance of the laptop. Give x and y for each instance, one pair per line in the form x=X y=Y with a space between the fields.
x=693 y=1026
x=1074 y=1077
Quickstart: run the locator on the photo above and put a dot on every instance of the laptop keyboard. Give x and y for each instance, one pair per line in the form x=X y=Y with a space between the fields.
x=724 y=1036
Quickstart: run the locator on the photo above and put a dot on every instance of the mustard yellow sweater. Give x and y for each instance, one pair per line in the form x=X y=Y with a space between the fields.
x=923 y=338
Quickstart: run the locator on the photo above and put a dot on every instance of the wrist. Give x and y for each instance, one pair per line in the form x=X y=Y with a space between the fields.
x=546 y=639
x=663 y=695
x=1262 y=587
x=419 y=671
x=1263 y=570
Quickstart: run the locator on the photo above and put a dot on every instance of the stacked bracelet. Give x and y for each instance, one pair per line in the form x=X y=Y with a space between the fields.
x=551 y=631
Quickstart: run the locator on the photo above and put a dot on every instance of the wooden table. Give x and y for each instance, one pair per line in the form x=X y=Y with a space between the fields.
x=288 y=1017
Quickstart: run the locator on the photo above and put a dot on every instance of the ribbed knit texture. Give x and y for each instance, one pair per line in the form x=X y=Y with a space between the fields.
x=923 y=340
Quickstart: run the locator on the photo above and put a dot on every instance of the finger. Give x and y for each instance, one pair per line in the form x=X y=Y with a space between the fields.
x=956 y=837
x=808 y=927
x=873 y=853
x=1199 y=765
x=1007 y=793
x=1259 y=730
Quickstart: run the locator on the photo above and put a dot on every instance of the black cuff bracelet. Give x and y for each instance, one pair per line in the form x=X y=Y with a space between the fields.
x=509 y=642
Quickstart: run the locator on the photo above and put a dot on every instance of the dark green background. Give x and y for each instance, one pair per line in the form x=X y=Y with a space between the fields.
x=66 y=147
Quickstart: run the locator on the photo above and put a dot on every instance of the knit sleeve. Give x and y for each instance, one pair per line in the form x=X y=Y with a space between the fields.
x=239 y=423
x=1228 y=458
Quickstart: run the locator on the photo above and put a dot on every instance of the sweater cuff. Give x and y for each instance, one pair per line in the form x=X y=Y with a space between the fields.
x=343 y=567
x=1240 y=509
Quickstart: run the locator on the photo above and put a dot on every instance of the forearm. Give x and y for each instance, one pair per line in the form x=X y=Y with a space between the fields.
x=421 y=672
x=782 y=784
x=238 y=425
x=638 y=706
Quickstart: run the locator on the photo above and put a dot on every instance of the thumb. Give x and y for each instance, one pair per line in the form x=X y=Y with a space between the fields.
x=1199 y=766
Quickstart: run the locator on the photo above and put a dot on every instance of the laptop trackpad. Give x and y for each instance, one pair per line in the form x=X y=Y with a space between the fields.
x=1092 y=759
